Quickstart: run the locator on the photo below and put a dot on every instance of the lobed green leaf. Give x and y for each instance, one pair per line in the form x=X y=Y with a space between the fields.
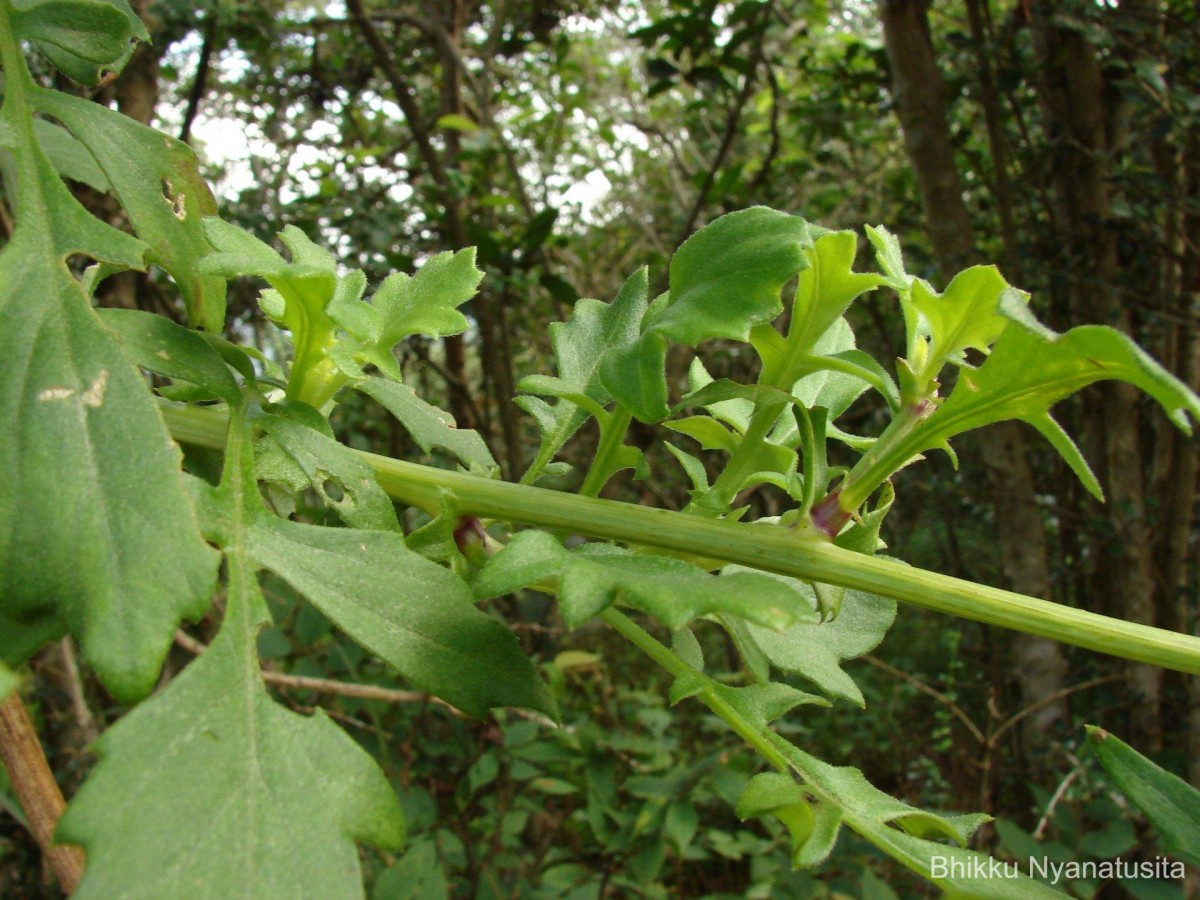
x=159 y=186
x=818 y=651
x=302 y=452
x=429 y=426
x=83 y=39
x=213 y=790
x=96 y=531
x=160 y=346
x=593 y=577
x=1031 y=368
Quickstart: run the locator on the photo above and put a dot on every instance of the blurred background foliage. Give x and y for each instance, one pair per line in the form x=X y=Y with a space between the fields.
x=572 y=141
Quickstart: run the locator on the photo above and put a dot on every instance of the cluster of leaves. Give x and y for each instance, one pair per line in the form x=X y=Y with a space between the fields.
x=105 y=538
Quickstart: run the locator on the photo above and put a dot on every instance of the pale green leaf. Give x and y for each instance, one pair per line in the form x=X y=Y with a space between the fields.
x=966 y=316
x=299 y=300
x=826 y=288
x=840 y=373
x=711 y=434
x=456 y=122
x=429 y=426
x=593 y=577
x=672 y=591
x=694 y=468
x=1031 y=368
x=241 y=253
x=891 y=260
x=529 y=558
x=901 y=831
x=817 y=651
x=733 y=406
x=427 y=302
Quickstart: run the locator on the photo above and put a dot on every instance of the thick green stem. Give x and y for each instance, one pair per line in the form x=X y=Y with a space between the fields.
x=764 y=547
x=884 y=458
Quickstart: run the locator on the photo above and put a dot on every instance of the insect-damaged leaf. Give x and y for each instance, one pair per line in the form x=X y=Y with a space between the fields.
x=95 y=528
x=157 y=181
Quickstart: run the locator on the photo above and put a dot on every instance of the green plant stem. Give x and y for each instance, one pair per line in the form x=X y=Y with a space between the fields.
x=741 y=462
x=764 y=547
x=885 y=456
x=669 y=660
x=612 y=436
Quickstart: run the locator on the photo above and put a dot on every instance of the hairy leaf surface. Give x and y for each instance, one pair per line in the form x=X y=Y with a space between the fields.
x=413 y=613
x=95 y=528
x=817 y=651
x=211 y=789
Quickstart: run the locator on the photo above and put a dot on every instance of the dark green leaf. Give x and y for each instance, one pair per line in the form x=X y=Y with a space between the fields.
x=119 y=567
x=157 y=181
x=413 y=613
x=634 y=375
x=1170 y=803
x=159 y=345
x=82 y=38
x=580 y=345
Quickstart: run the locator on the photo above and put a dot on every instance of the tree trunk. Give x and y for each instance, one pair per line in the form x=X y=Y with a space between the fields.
x=494 y=349
x=1084 y=125
x=1040 y=666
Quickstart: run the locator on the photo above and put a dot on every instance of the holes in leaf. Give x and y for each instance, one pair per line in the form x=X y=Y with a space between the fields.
x=176 y=201
x=334 y=491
